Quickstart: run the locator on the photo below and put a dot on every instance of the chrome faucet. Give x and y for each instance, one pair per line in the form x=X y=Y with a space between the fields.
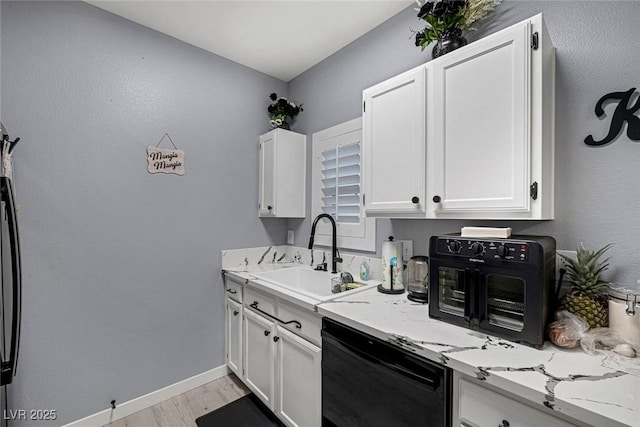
x=335 y=255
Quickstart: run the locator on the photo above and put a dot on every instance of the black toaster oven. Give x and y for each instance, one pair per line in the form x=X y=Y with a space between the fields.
x=504 y=287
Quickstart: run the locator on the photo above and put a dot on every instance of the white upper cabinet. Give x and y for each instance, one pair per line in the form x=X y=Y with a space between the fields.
x=282 y=174
x=394 y=146
x=491 y=136
x=475 y=140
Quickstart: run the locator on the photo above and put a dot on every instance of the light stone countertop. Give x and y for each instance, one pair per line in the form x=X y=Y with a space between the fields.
x=600 y=390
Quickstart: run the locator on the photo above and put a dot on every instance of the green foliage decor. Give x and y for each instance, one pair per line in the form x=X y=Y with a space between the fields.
x=443 y=17
x=281 y=110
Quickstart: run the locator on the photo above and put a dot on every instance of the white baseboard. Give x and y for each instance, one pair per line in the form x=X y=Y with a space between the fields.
x=132 y=406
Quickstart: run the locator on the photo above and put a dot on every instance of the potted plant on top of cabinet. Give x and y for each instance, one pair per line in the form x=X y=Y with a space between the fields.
x=281 y=110
x=446 y=19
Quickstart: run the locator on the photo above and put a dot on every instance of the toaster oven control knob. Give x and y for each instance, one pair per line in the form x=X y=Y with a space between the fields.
x=477 y=248
x=503 y=251
x=454 y=246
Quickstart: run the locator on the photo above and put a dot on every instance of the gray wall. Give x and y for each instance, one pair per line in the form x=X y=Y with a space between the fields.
x=597 y=188
x=122 y=285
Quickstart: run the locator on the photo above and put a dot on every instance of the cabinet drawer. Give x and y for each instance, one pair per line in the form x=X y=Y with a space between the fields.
x=310 y=323
x=479 y=406
x=233 y=289
x=265 y=303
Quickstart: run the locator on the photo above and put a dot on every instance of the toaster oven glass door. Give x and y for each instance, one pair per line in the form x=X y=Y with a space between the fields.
x=452 y=292
x=505 y=301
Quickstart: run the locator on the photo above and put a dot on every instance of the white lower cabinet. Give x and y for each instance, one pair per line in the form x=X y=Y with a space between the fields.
x=298 y=371
x=234 y=336
x=233 y=329
x=278 y=361
x=283 y=370
x=259 y=357
x=478 y=406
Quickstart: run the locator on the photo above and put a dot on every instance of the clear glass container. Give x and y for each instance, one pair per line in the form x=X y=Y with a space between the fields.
x=418 y=278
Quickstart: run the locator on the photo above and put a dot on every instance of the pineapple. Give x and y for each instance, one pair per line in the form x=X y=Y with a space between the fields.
x=587 y=296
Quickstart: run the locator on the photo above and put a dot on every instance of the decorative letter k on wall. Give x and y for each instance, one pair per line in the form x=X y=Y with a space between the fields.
x=623 y=113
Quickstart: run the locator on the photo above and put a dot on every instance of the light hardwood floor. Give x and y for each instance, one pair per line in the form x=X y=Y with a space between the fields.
x=182 y=410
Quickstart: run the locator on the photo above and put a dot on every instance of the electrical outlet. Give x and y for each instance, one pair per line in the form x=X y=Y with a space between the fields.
x=289 y=237
x=407 y=249
x=560 y=262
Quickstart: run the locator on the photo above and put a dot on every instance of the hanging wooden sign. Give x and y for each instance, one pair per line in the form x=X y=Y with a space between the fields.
x=623 y=113
x=165 y=160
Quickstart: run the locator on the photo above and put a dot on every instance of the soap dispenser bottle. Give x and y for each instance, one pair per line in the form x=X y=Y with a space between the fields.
x=364 y=270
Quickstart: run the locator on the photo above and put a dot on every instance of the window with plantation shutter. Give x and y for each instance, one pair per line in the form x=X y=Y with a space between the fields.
x=337 y=186
x=341 y=182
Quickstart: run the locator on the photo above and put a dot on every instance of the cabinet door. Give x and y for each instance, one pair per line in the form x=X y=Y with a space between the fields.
x=267 y=175
x=394 y=146
x=259 y=360
x=299 y=380
x=234 y=336
x=479 y=406
x=282 y=174
x=479 y=116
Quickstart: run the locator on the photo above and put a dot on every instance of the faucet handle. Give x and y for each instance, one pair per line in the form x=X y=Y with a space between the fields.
x=321 y=267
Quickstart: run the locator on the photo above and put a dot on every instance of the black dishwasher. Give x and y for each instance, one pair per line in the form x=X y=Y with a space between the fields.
x=368 y=382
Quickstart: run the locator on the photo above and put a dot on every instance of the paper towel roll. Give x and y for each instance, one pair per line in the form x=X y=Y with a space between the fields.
x=392 y=265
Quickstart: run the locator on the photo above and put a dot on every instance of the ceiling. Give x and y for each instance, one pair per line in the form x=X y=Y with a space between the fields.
x=281 y=38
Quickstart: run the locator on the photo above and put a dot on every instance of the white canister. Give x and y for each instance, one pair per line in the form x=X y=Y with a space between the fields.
x=624 y=312
x=392 y=265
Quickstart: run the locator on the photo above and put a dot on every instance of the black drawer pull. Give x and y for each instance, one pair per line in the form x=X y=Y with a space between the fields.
x=505 y=423
x=415 y=199
x=436 y=199
x=235 y=312
x=266 y=333
x=276 y=338
x=254 y=305
x=231 y=291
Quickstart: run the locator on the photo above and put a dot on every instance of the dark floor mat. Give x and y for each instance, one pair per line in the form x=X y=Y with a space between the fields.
x=248 y=411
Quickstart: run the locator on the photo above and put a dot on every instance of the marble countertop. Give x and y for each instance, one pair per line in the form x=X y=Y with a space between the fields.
x=600 y=390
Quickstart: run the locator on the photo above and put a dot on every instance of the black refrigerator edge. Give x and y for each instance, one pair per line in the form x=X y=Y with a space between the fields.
x=10 y=293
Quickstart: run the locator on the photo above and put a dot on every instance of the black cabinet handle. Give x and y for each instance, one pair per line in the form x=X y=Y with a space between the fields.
x=436 y=199
x=269 y=207
x=266 y=333
x=504 y=423
x=235 y=312
x=254 y=305
x=415 y=199
x=276 y=338
x=231 y=291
